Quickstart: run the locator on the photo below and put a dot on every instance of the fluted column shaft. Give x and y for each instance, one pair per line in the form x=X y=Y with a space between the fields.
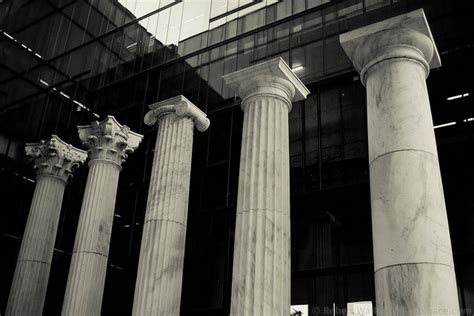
x=413 y=260
x=91 y=247
x=160 y=272
x=261 y=274
x=160 y=269
x=109 y=143
x=30 y=280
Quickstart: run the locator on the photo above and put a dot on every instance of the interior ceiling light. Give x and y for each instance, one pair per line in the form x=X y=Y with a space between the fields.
x=458 y=96
x=21 y=44
x=80 y=106
x=445 y=125
x=297 y=68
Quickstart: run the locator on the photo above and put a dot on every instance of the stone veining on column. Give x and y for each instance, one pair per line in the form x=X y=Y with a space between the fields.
x=54 y=162
x=160 y=269
x=414 y=271
x=261 y=273
x=109 y=144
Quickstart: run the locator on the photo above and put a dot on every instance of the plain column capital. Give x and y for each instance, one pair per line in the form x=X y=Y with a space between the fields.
x=407 y=36
x=270 y=78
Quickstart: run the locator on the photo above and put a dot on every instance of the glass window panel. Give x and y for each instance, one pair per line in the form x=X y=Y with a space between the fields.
x=298 y=6
x=295 y=154
x=245 y=55
x=314 y=61
x=4 y=141
x=334 y=56
x=375 y=4
x=261 y=45
x=231 y=29
x=315 y=3
x=217 y=35
x=294 y=119
x=190 y=45
x=298 y=64
x=230 y=65
x=215 y=186
x=219 y=137
x=271 y=13
x=251 y=21
x=278 y=38
x=301 y=288
x=331 y=140
x=311 y=143
x=216 y=71
x=283 y=9
x=218 y=7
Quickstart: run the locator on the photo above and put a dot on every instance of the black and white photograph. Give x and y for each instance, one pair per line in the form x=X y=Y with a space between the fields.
x=236 y=157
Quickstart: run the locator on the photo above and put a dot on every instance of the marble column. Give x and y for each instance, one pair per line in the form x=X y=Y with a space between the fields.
x=413 y=260
x=160 y=268
x=109 y=143
x=54 y=162
x=261 y=273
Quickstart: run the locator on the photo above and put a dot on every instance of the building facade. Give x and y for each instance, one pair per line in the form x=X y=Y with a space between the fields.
x=66 y=64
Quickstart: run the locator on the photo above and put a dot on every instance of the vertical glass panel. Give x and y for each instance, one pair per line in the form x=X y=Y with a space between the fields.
x=330 y=18
x=230 y=65
x=278 y=38
x=261 y=45
x=219 y=137
x=311 y=129
x=271 y=13
x=283 y=9
x=298 y=64
x=195 y=18
x=350 y=15
x=216 y=71
x=218 y=7
x=375 y=4
x=294 y=119
x=245 y=54
x=251 y=21
x=231 y=29
x=296 y=147
x=298 y=6
x=331 y=125
x=217 y=35
x=314 y=61
x=315 y=3
x=334 y=56
x=307 y=28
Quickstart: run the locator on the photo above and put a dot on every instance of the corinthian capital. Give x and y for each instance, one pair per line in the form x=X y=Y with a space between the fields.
x=54 y=157
x=109 y=140
x=179 y=106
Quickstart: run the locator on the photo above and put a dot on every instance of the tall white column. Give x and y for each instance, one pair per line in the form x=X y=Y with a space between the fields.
x=109 y=144
x=261 y=273
x=160 y=268
x=54 y=162
x=414 y=272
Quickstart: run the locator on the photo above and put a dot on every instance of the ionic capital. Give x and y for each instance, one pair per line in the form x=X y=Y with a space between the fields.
x=179 y=106
x=109 y=140
x=54 y=157
x=272 y=78
x=406 y=37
